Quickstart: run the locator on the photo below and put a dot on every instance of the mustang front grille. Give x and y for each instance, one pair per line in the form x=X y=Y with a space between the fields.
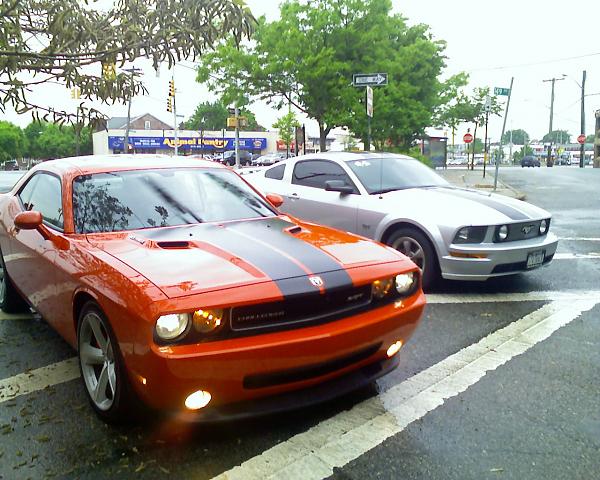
x=521 y=231
x=302 y=309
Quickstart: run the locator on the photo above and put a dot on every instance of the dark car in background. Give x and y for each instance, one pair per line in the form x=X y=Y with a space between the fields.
x=530 y=161
x=10 y=165
x=228 y=158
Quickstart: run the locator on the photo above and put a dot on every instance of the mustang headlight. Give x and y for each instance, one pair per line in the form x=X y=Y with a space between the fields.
x=470 y=235
x=171 y=326
x=502 y=233
x=208 y=321
x=544 y=227
x=405 y=282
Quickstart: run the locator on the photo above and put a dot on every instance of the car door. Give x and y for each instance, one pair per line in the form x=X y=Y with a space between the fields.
x=307 y=198
x=31 y=262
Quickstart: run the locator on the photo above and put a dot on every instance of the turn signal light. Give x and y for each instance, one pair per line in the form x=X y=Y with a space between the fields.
x=198 y=400
x=394 y=348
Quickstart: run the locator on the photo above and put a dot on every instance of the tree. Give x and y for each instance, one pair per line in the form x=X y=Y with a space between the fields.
x=308 y=56
x=557 y=136
x=519 y=137
x=287 y=127
x=590 y=138
x=48 y=140
x=12 y=141
x=58 y=40
x=525 y=150
x=213 y=116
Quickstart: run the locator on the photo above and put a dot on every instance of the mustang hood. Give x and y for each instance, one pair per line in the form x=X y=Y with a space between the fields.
x=200 y=258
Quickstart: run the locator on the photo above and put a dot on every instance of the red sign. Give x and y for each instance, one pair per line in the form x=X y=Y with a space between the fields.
x=468 y=138
x=581 y=139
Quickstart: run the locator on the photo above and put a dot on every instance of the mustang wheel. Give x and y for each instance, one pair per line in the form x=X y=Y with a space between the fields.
x=10 y=300
x=416 y=246
x=101 y=365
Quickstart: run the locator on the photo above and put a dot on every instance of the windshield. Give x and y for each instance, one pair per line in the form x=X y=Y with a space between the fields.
x=387 y=174
x=129 y=200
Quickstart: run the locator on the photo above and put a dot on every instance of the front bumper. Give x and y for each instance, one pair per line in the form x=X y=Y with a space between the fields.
x=276 y=371
x=498 y=259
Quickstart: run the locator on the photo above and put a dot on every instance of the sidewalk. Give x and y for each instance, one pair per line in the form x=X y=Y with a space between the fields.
x=461 y=177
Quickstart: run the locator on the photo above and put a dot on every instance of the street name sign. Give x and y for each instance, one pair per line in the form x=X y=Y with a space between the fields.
x=502 y=91
x=369 y=79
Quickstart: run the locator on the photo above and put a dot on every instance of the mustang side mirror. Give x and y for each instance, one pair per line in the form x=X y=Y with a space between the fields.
x=275 y=200
x=338 y=186
x=28 y=220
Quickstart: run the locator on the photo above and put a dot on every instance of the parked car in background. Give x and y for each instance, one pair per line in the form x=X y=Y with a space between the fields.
x=183 y=289
x=10 y=165
x=268 y=159
x=454 y=233
x=228 y=158
x=530 y=161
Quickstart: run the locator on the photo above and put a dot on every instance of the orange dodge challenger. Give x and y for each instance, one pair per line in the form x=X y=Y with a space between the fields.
x=183 y=288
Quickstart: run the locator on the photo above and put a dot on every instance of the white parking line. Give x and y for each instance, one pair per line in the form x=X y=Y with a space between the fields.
x=576 y=256
x=348 y=435
x=512 y=297
x=16 y=316
x=38 y=379
x=581 y=239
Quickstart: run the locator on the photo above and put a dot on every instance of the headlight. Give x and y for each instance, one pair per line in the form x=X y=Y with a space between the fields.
x=502 y=232
x=382 y=287
x=405 y=282
x=470 y=235
x=543 y=227
x=169 y=327
x=208 y=321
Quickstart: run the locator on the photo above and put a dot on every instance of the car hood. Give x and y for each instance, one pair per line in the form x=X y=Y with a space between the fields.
x=201 y=258
x=464 y=206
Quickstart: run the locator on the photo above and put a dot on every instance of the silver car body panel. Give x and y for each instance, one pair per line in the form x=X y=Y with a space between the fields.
x=439 y=212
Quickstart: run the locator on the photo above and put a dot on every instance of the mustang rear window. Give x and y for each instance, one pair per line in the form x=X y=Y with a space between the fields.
x=130 y=200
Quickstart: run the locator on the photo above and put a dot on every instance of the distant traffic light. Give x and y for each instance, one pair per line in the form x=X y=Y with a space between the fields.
x=169 y=105
x=109 y=71
x=75 y=92
x=171 y=88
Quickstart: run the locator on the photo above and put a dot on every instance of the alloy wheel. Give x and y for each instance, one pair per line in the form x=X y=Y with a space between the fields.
x=412 y=249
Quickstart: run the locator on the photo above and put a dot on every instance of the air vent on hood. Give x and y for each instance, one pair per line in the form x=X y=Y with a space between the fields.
x=173 y=244
x=294 y=230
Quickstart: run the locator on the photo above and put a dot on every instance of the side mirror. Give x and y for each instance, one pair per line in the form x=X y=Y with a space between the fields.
x=338 y=186
x=275 y=200
x=28 y=220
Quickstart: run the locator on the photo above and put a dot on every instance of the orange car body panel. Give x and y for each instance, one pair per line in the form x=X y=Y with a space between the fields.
x=135 y=281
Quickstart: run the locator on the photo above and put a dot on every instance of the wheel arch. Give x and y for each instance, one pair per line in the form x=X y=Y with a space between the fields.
x=392 y=227
x=80 y=298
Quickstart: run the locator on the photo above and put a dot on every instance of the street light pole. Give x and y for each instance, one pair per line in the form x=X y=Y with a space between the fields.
x=582 y=147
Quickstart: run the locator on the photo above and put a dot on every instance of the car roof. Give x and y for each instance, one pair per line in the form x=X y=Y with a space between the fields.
x=107 y=163
x=349 y=156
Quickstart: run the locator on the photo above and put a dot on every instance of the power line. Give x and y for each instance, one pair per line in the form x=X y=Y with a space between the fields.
x=532 y=64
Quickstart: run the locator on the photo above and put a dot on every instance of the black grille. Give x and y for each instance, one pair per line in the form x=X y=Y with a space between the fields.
x=262 y=380
x=516 y=266
x=302 y=309
x=521 y=231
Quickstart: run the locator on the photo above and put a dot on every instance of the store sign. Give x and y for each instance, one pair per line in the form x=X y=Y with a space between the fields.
x=192 y=143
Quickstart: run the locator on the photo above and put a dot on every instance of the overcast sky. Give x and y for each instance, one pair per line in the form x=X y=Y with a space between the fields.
x=532 y=40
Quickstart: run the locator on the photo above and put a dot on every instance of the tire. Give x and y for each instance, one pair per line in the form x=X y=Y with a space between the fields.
x=415 y=245
x=102 y=368
x=10 y=299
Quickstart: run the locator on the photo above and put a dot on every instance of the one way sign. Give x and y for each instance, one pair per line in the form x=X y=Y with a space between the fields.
x=369 y=79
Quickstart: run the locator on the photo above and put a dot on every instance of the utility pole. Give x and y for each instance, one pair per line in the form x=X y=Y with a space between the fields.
x=582 y=147
x=132 y=71
x=237 y=137
x=503 y=130
x=488 y=107
x=549 y=154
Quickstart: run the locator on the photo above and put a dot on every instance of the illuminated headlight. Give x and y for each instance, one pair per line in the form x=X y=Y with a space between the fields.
x=543 y=227
x=208 y=321
x=405 y=282
x=382 y=287
x=169 y=327
x=502 y=232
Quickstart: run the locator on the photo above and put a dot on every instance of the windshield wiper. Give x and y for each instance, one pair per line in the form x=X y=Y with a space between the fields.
x=386 y=190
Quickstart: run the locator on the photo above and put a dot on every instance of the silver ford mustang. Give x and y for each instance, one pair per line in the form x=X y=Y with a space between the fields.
x=457 y=233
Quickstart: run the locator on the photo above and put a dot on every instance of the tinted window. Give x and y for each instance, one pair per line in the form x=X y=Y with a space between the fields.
x=276 y=173
x=380 y=175
x=137 y=199
x=314 y=173
x=43 y=193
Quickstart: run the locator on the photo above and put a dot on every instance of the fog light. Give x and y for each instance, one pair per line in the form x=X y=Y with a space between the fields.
x=543 y=227
x=394 y=348
x=197 y=400
x=503 y=232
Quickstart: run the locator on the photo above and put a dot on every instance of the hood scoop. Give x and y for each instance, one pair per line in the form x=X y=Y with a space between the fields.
x=173 y=245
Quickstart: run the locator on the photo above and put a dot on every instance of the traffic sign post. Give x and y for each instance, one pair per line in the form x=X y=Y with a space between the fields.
x=369 y=105
x=468 y=138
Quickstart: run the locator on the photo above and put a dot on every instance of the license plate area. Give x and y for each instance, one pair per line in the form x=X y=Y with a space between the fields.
x=535 y=259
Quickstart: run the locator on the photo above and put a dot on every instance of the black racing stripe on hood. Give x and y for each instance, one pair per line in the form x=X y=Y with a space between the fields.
x=508 y=210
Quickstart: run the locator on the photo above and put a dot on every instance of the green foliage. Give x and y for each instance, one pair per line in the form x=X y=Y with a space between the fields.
x=287 y=127
x=49 y=140
x=58 y=40
x=213 y=116
x=557 y=136
x=524 y=151
x=590 y=138
x=12 y=141
x=519 y=137
x=308 y=57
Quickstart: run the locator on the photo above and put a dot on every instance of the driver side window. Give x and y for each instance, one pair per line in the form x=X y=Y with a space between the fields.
x=315 y=173
x=43 y=193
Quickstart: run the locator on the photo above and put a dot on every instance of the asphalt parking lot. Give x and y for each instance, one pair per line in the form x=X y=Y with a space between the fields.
x=501 y=380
